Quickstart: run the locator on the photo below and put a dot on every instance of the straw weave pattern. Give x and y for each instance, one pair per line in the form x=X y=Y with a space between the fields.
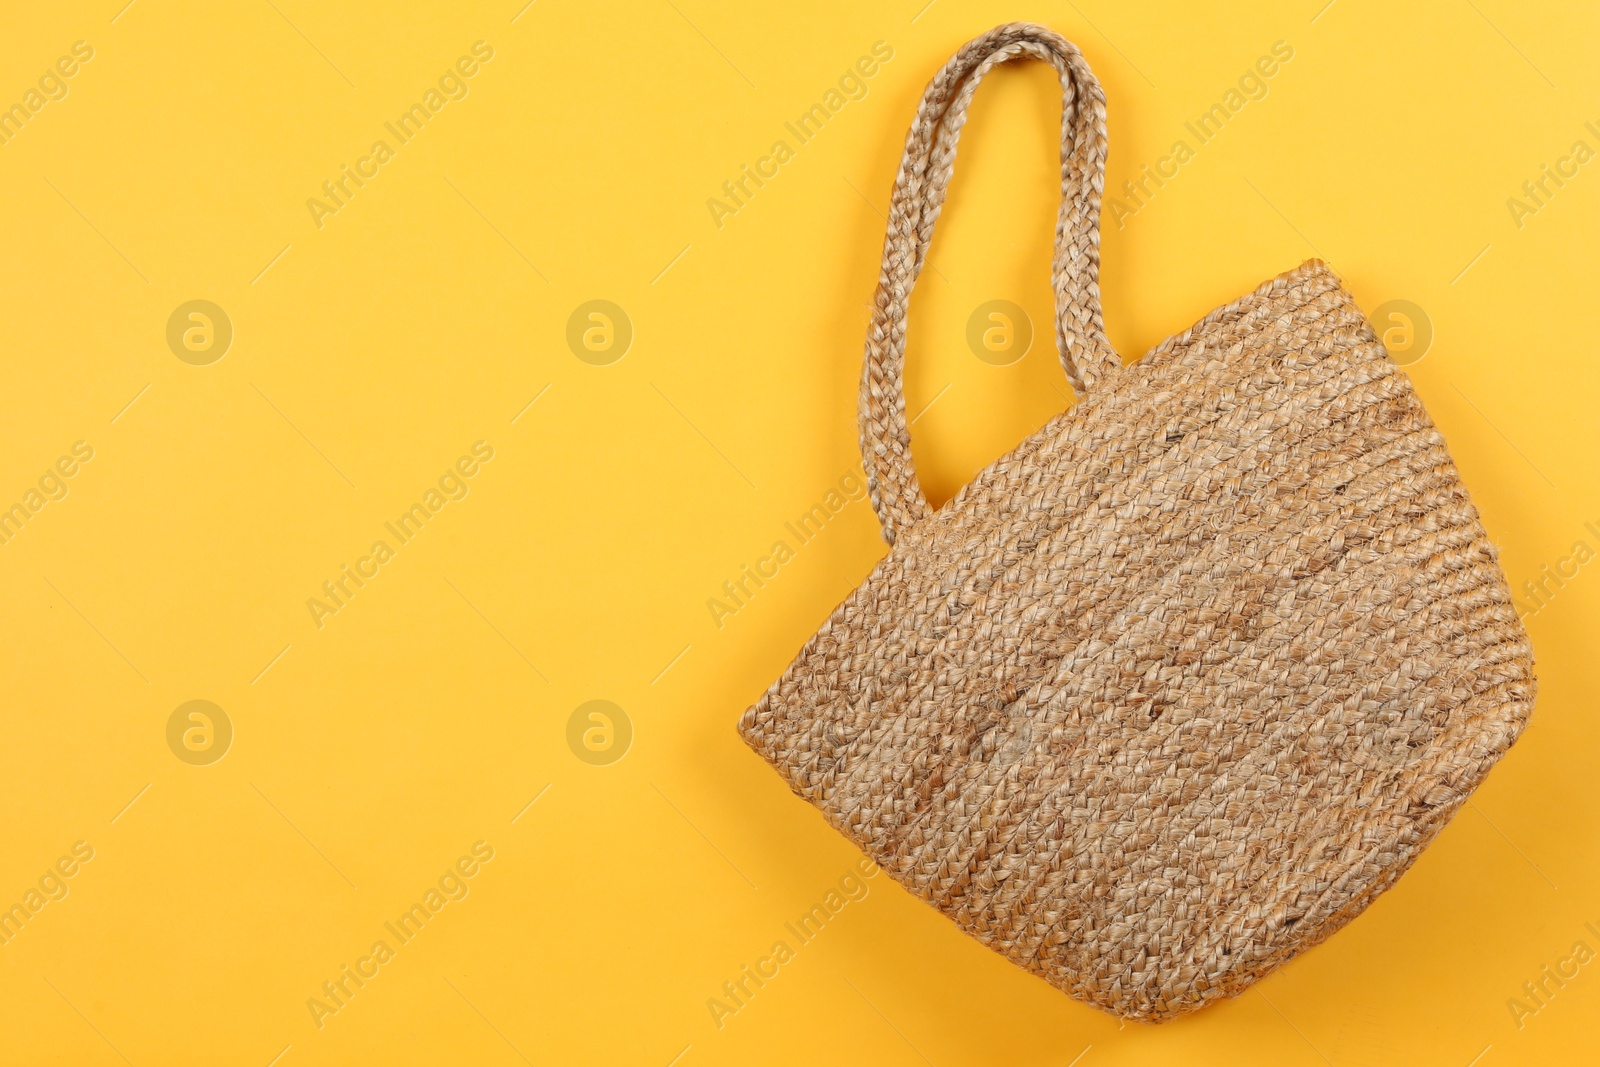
x=1176 y=688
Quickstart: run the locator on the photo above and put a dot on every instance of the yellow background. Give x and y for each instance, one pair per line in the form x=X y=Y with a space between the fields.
x=369 y=354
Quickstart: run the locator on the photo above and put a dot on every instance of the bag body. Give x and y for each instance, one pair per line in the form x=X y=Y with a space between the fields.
x=1176 y=688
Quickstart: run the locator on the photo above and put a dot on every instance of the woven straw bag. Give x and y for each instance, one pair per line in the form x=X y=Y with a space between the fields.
x=1175 y=689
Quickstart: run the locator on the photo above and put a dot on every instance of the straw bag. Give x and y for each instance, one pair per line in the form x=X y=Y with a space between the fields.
x=1175 y=689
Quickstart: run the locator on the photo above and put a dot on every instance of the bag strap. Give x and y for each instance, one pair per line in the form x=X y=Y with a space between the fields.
x=919 y=192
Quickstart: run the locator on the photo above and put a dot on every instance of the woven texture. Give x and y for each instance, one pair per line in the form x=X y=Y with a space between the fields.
x=1172 y=691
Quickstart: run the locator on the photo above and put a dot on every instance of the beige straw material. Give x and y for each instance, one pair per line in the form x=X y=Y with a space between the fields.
x=1175 y=689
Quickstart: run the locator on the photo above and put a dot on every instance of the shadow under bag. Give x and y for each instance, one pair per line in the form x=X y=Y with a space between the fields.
x=1175 y=689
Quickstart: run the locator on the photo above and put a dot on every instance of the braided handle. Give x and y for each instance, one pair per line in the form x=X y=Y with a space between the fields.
x=919 y=192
